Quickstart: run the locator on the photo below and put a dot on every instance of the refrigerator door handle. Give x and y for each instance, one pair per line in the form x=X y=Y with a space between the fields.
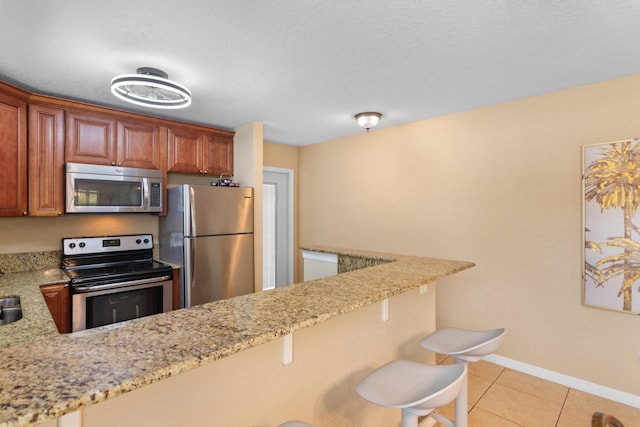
x=191 y=229
x=189 y=249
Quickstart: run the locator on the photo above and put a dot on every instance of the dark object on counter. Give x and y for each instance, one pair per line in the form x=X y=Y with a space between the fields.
x=225 y=182
x=10 y=309
x=605 y=420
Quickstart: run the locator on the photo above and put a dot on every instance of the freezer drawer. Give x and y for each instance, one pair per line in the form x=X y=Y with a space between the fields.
x=218 y=267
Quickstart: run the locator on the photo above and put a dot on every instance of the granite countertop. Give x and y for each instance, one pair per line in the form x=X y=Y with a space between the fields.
x=36 y=319
x=40 y=379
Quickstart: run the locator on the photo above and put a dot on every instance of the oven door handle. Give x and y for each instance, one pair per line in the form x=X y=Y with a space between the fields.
x=92 y=288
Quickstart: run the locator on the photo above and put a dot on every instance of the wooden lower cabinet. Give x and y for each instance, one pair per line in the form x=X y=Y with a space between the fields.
x=58 y=299
x=176 y=288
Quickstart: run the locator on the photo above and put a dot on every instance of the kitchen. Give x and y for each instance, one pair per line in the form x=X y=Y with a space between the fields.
x=180 y=340
x=313 y=157
x=527 y=250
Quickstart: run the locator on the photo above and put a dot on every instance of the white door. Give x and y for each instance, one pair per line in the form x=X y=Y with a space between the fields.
x=277 y=227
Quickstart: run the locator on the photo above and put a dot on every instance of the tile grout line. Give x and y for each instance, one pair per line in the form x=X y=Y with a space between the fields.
x=564 y=402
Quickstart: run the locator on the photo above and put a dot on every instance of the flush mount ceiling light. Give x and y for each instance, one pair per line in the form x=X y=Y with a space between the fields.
x=150 y=88
x=368 y=120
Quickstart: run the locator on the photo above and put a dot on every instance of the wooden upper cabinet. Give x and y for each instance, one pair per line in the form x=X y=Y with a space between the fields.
x=184 y=151
x=13 y=151
x=192 y=150
x=101 y=139
x=46 y=161
x=218 y=154
x=141 y=145
x=91 y=138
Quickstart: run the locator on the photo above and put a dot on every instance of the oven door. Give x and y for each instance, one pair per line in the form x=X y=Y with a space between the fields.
x=104 y=305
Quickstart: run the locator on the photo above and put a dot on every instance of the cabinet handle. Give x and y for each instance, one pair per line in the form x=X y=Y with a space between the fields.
x=25 y=213
x=113 y=163
x=59 y=213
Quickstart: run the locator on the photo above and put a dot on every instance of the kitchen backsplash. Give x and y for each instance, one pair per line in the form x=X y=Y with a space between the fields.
x=29 y=261
x=35 y=261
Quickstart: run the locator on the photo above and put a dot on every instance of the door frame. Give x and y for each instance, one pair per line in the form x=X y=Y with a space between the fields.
x=290 y=213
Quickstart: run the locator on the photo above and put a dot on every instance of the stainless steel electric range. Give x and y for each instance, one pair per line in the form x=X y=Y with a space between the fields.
x=115 y=278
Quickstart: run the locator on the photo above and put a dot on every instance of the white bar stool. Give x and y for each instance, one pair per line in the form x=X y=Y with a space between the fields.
x=416 y=388
x=465 y=346
x=295 y=423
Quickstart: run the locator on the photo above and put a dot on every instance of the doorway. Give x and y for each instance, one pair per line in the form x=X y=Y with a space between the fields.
x=277 y=269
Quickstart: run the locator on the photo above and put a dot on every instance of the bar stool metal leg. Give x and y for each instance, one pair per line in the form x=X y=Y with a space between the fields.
x=461 y=405
x=466 y=346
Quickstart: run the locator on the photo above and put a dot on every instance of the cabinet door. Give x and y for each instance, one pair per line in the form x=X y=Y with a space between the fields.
x=176 y=289
x=218 y=154
x=185 y=151
x=13 y=152
x=90 y=138
x=139 y=145
x=58 y=299
x=46 y=161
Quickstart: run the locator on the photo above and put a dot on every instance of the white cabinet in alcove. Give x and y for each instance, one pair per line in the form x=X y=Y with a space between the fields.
x=319 y=264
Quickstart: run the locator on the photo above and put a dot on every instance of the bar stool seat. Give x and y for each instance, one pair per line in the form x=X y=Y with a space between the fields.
x=469 y=346
x=416 y=388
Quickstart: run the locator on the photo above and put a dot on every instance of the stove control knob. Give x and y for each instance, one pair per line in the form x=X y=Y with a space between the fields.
x=138 y=241
x=72 y=245
x=146 y=241
x=82 y=244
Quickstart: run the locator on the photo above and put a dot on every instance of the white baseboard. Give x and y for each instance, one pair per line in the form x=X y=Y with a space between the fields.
x=566 y=380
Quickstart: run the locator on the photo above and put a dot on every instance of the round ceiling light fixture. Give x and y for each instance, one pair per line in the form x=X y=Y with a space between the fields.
x=368 y=120
x=150 y=88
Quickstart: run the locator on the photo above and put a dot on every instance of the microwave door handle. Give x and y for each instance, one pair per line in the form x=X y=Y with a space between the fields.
x=145 y=193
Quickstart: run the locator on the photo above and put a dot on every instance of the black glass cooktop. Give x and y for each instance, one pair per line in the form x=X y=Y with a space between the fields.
x=118 y=272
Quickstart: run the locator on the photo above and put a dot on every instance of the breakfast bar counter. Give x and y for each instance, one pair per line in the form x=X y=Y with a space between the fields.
x=47 y=377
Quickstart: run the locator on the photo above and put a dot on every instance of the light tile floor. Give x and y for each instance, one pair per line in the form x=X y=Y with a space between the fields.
x=502 y=397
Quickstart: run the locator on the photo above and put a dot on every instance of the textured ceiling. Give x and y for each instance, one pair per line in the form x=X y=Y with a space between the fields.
x=304 y=68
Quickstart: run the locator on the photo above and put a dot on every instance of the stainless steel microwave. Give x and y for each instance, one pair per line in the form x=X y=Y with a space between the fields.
x=112 y=189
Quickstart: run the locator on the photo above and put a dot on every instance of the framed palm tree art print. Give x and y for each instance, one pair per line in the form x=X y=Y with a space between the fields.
x=611 y=190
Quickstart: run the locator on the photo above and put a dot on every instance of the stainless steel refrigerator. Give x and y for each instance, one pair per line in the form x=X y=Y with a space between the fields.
x=208 y=232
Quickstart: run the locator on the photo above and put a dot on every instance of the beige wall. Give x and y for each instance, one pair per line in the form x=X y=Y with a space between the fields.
x=44 y=234
x=253 y=388
x=286 y=157
x=500 y=186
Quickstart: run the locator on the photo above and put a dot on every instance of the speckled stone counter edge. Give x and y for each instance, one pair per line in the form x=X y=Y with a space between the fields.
x=29 y=261
x=36 y=321
x=41 y=379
